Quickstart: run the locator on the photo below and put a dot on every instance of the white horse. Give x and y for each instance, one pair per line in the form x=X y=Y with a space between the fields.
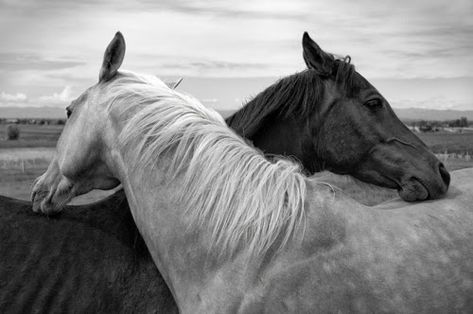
x=233 y=232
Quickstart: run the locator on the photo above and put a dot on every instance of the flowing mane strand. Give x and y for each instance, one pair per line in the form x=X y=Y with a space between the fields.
x=298 y=94
x=229 y=188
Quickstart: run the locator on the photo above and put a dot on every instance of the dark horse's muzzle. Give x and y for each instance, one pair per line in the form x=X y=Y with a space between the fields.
x=413 y=170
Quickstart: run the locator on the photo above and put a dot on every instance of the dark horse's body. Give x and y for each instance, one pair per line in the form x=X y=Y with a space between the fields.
x=92 y=259
x=89 y=259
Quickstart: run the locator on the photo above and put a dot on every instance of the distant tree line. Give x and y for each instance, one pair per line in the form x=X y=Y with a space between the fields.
x=459 y=123
x=42 y=121
x=434 y=125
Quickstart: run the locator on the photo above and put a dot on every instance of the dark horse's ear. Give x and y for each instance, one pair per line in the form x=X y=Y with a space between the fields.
x=315 y=58
x=113 y=58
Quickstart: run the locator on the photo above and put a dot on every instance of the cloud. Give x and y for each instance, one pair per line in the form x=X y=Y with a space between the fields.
x=226 y=38
x=18 y=97
x=440 y=103
x=29 y=61
x=209 y=100
x=256 y=9
x=55 y=99
x=257 y=32
x=275 y=9
x=210 y=68
x=13 y=99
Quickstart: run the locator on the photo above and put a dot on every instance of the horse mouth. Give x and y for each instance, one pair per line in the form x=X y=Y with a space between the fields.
x=410 y=190
x=413 y=190
x=42 y=202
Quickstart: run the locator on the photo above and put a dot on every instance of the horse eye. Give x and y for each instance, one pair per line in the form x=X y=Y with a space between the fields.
x=374 y=103
x=68 y=112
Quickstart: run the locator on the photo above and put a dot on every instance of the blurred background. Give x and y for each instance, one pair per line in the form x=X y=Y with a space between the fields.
x=417 y=53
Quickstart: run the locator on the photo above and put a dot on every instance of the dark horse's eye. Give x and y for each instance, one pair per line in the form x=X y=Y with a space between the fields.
x=68 y=112
x=374 y=103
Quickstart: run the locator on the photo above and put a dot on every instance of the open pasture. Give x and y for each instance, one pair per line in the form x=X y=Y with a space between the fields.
x=17 y=176
x=441 y=142
x=47 y=135
x=19 y=167
x=32 y=135
x=23 y=160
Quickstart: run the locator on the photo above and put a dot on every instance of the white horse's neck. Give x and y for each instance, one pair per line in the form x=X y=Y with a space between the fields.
x=181 y=254
x=185 y=256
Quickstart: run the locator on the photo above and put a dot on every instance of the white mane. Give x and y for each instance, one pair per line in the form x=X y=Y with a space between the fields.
x=229 y=187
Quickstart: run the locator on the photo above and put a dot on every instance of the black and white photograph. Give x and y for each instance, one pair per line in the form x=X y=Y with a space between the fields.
x=218 y=156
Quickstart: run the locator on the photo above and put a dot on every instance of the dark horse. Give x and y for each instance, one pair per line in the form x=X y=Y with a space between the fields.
x=331 y=118
x=92 y=258
x=88 y=259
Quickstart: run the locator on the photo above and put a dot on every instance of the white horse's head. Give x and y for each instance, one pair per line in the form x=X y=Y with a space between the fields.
x=79 y=164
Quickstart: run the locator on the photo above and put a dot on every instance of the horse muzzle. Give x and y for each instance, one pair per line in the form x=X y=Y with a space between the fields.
x=420 y=188
x=50 y=199
x=415 y=172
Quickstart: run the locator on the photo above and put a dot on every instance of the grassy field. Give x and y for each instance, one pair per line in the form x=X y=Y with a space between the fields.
x=20 y=166
x=23 y=160
x=440 y=142
x=32 y=136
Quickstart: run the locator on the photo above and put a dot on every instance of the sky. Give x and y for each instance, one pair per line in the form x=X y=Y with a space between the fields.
x=417 y=53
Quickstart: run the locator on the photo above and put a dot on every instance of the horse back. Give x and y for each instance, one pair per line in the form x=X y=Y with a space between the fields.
x=87 y=259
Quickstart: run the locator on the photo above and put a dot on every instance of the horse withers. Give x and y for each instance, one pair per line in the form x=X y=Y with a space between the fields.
x=233 y=232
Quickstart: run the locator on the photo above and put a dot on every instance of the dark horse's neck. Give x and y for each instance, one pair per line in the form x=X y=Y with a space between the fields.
x=278 y=120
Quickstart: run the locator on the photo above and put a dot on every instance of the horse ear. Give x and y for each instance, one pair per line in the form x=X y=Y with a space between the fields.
x=315 y=58
x=113 y=58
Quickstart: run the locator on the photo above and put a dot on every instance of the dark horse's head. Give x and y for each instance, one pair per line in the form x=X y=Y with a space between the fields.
x=330 y=117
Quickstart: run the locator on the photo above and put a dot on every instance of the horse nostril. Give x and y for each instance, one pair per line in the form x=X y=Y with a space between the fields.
x=445 y=175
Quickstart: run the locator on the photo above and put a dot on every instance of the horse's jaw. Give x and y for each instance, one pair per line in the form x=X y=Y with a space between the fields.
x=417 y=175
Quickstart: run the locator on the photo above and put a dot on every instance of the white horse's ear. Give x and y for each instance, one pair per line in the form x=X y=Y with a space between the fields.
x=315 y=58
x=113 y=58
